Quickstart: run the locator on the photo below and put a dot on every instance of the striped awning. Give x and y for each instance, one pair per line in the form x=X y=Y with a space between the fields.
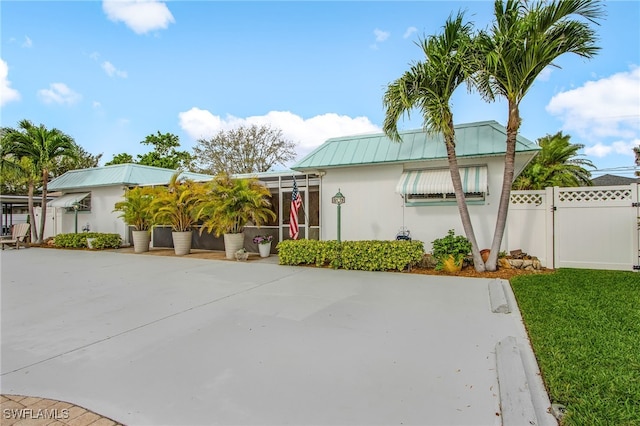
x=438 y=181
x=68 y=200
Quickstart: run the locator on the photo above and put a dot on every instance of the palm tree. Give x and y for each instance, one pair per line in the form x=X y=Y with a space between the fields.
x=524 y=39
x=557 y=164
x=636 y=151
x=42 y=147
x=428 y=86
x=235 y=202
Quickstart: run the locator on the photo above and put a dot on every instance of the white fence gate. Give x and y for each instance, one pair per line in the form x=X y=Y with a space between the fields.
x=586 y=227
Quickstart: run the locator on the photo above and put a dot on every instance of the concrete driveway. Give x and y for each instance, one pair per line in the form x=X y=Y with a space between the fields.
x=174 y=341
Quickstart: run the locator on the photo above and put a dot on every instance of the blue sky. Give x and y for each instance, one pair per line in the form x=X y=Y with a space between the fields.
x=110 y=73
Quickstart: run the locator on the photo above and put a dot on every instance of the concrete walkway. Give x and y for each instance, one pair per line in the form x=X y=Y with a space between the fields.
x=148 y=340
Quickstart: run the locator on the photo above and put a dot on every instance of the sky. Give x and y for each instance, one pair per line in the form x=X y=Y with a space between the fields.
x=109 y=73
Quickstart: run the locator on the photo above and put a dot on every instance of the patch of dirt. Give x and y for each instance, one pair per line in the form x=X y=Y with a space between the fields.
x=470 y=272
x=503 y=273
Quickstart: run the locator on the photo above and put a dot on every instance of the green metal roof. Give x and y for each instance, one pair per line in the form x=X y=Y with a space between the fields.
x=118 y=174
x=486 y=138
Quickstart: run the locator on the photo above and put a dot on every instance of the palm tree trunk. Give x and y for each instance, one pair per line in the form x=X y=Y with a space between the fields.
x=43 y=218
x=478 y=263
x=32 y=216
x=509 y=167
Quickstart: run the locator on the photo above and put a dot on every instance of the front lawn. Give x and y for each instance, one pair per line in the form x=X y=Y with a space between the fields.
x=585 y=329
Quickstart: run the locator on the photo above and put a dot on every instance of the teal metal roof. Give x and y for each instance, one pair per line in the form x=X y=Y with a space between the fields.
x=486 y=138
x=119 y=174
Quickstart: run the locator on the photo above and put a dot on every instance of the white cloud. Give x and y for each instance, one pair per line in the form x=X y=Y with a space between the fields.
x=306 y=133
x=111 y=70
x=381 y=35
x=409 y=32
x=601 y=150
x=598 y=150
x=59 y=93
x=27 y=42
x=141 y=16
x=96 y=104
x=608 y=107
x=94 y=55
x=7 y=94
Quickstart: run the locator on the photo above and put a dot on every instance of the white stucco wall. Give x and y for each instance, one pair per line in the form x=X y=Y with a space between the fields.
x=101 y=218
x=373 y=210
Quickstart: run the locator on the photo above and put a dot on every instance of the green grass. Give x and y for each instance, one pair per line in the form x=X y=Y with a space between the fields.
x=584 y=326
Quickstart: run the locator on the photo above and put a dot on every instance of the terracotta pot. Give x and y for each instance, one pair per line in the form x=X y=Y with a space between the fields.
x=485 y=254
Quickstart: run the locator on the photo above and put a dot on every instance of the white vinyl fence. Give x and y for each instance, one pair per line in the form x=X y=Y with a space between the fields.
x=586 y=227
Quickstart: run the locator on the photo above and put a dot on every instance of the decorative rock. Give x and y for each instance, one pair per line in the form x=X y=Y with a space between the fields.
x=526 y=263
x=504 y=263
x=516 y=263
x=537 y=264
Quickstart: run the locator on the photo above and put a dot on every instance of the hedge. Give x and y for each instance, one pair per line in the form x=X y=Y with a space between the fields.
x=355 y=255
x=102 y=241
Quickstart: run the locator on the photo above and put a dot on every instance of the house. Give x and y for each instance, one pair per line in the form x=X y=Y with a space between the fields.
x=89 y=195
x=388 y=186
x=613 y=180
x=392 y=186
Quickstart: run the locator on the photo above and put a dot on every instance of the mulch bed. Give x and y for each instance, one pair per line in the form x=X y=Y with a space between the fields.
x=470 y=272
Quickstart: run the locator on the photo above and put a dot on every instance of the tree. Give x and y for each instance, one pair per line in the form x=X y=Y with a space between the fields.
x=557 y=164
x=43 y=147
x=636 y=150
x=428 y=86
x=251 y=149
x=524 y=39
x=164 y=152
x=82 y=160
x=122 y=158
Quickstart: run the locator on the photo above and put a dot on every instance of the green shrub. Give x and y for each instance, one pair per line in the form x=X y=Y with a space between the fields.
x=358 y=255
x=381 y=255
x=105 y=241
x=101 y=241
x=309 y=252
x=453 y=245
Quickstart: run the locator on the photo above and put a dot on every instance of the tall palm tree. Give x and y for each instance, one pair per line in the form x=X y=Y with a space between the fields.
x=557 y=164
x=525 y=38
x=42 y=147
x=428 y=86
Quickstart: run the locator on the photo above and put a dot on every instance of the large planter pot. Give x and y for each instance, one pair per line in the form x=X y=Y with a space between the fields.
x=141 y=240
x=233 y=243
x=264 y=249
x=182 y=242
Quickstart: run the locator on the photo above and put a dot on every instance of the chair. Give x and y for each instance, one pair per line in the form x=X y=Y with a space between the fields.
x=19 y=234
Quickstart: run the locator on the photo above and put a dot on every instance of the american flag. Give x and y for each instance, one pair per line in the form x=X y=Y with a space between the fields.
x=296 y=202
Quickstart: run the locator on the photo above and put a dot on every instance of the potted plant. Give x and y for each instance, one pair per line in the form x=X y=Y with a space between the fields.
x=450 y=251
x=179 y=205
x=264 y=244
x=136 y=211
x=232 y=204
